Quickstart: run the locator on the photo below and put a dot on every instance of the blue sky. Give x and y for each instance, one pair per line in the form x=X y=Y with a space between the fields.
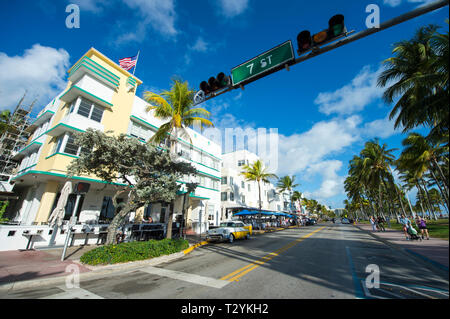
x=324 y=109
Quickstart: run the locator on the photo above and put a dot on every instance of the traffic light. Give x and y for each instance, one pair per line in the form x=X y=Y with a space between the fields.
x=82 y=188
x=336 y=28
x=215 y=83
x=304 y=41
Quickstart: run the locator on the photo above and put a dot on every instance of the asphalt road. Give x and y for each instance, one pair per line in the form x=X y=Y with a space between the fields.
x=328 y=261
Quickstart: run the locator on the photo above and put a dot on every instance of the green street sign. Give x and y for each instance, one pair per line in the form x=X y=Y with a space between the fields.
x=263 y=63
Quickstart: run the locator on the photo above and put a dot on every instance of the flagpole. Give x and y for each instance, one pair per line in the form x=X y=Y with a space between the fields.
x=137 y=59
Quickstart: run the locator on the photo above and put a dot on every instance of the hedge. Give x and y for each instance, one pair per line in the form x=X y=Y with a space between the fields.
x=138 y=250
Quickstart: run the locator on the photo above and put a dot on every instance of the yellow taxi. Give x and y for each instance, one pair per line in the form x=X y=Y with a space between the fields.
x=229 y=231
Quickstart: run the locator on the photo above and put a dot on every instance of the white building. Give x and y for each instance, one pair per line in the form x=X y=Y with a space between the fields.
x=238 y=194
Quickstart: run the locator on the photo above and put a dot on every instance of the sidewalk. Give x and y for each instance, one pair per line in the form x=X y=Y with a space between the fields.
x=434 y=250
x=22 y=265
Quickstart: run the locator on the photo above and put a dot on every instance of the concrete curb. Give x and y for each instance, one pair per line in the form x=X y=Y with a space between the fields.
x=407 y=251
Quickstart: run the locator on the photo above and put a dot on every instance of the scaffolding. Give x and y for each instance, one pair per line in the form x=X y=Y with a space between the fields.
x=13 y=139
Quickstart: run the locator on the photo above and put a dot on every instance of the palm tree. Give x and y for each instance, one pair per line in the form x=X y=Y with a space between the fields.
x=257 y=172
x=420 y=156
x=286 y=183
x=4 y=121
x=419 y=71
x=175 y=107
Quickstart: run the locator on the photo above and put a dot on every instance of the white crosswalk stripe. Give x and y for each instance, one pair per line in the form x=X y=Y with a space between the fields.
x=192 y=278
x=73 y=293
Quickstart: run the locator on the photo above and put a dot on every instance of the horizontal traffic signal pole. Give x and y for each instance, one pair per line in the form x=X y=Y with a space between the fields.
x=385 y=25
x=349 y=39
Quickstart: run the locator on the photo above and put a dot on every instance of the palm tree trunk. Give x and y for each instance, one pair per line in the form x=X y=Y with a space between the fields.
x=444 y=180
x=427 y=197
x=443 y=193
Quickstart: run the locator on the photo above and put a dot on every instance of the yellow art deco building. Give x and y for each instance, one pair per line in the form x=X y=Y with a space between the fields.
x=101 y=95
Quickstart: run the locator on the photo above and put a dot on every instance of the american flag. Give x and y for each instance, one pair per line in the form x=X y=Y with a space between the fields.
x=128 y=63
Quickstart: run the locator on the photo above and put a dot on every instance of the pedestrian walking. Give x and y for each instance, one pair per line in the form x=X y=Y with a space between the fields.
x=380 y=222
x=422 y=224
x=373 y=222
x=406 y=224
x=388 y=221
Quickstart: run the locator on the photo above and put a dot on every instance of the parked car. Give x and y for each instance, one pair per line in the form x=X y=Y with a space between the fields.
x=345 y=221
x=310 y=222
x=229 y=231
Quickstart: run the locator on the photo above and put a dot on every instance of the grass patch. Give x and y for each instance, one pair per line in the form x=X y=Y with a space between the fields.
x=436 y=228
x=133 y=251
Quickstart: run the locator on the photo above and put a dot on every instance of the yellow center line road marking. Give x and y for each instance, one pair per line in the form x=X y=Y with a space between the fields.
x=235 y=275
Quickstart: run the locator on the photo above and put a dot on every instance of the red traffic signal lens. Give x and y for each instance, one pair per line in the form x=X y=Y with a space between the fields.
x=304 y=40
x=213 y=83
x=204 y=86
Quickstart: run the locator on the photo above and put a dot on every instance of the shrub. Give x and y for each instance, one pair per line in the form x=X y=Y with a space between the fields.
x=138 y=250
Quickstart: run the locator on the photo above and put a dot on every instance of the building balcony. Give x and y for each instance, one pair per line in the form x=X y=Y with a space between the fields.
x=76 y=91
x=74 y=123
x=30 y=148
x=95 y=70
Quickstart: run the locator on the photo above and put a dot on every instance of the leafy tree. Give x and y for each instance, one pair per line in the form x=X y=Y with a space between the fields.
x=150 y=174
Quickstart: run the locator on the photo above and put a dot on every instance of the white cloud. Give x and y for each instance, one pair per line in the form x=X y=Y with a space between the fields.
x=232 y=8
x=155 y=14
x=40 y=70
x=160 y=15
x=94 y=6
x=396 y=3
x=300 y=151
x=332 y=184
x=200 y=45
x=382 y=128
x=352 y=97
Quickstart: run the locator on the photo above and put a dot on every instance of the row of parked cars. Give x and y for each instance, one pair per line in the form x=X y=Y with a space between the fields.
x=229 y=231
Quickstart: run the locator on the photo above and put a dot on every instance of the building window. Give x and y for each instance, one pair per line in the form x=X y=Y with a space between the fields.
x=71 y=147
x=243 y=198
x=90 y=110
x=232 y=197
x=241 y=163
x=223 y=196
x=231 y=181
x=248 y=185
x=57 y=145
x=224 y=181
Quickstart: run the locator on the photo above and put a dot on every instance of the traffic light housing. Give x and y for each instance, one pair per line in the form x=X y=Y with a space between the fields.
x=215 y=83
x=336 y=28
x=82 y=188
x=304 y=41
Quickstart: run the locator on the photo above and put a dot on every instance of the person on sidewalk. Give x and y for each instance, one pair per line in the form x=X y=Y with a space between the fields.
x=380 y=222
x=373 y=222
x=388 y=220
x=406 y=224
x=422 y=224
